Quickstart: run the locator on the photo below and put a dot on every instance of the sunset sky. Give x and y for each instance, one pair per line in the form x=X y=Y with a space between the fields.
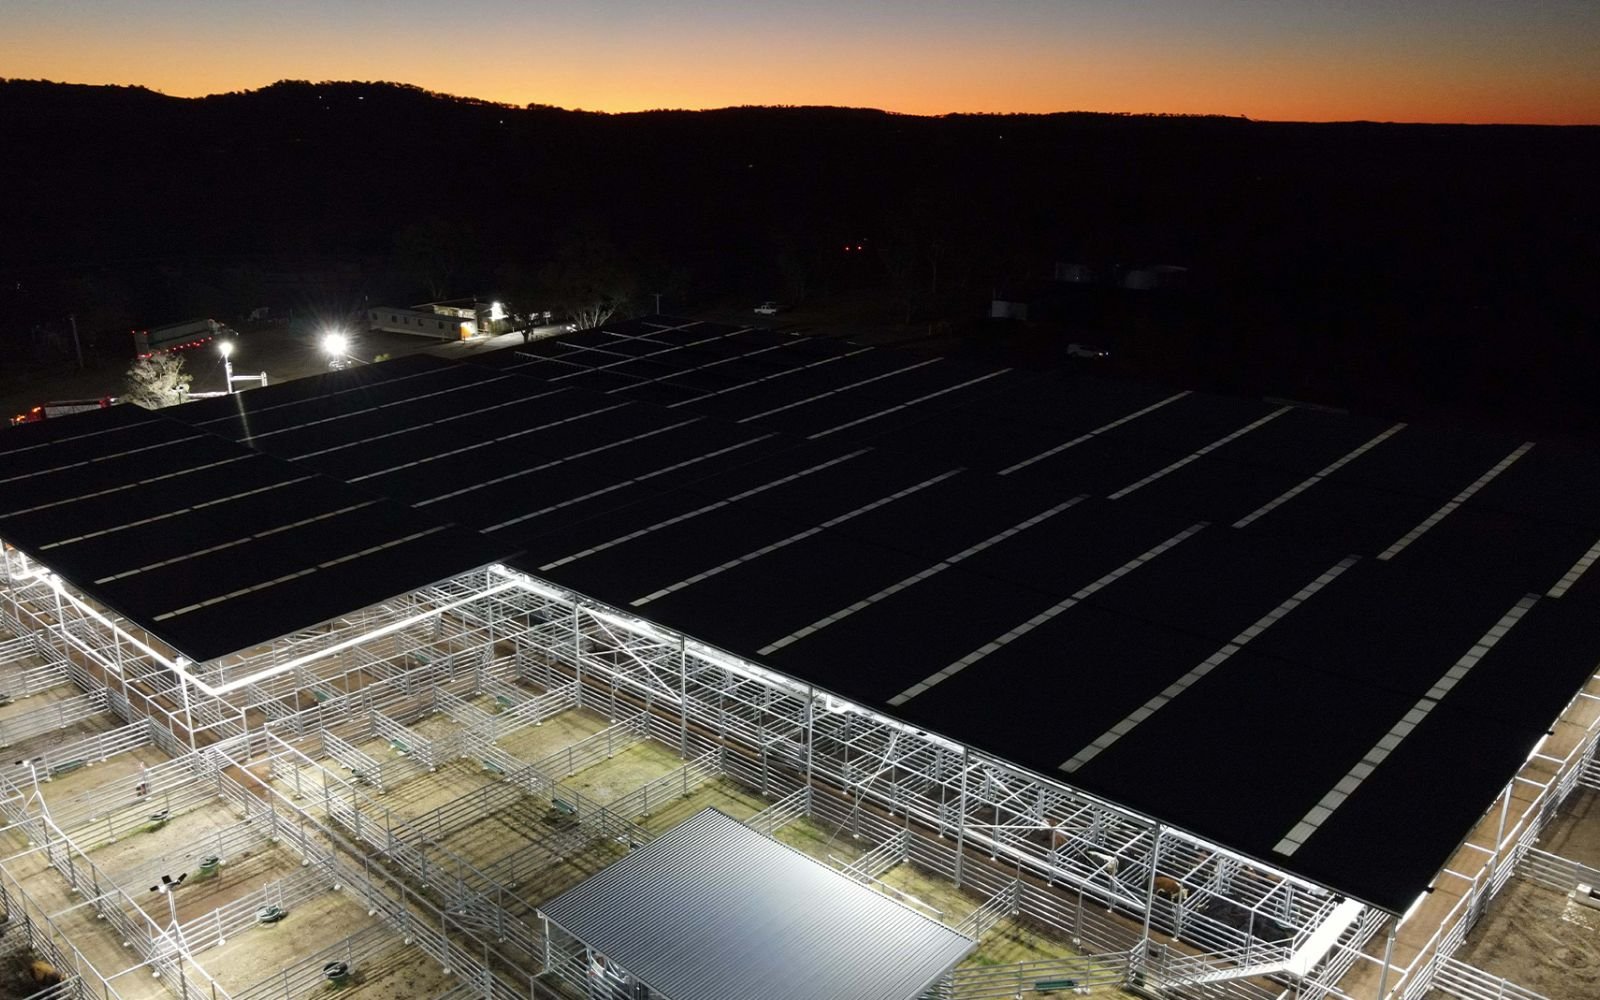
x=1387 y=60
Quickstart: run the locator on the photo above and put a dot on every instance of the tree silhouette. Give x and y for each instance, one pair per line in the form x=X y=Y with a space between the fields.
x=588 y=280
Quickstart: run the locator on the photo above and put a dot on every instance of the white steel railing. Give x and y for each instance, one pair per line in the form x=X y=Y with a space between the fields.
x=1521 y=832
x=999 y=906
x=51 y=718
x=782 y=812
x=1555 y=872
x=1458 y=979
x=213 y=929
x=65 y=758
x=305 y=977
x=1044 y=976
x=593 y=749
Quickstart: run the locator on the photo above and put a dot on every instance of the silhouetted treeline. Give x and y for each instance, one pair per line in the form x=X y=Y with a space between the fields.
x=1381 y=266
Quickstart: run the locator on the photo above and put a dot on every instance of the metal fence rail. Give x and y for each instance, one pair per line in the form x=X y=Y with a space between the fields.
x=65 y=757
x=302 y=978
x=782 y=812
x=52 y=717
x=1554 y=871
x=212 y=929
x=679 y=784
x=998 y=907
x=364 y=769
x=21 y=673
x=592 y=749
x=1458 y=979
x=983 y=982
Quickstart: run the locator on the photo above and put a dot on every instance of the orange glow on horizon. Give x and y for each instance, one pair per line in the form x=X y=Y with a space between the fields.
x=1276 y=78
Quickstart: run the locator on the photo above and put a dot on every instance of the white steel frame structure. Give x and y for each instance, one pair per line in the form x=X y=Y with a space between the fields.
x=1166 y=912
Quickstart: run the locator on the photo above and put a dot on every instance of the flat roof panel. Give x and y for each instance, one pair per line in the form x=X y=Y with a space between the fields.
x=1549 y=482
x=1018 y=693
x=262 y=616
x=1196 y=421
x=63 y=483
x=1529 y=555
x=1096 y=465
x=1215 y=584
x=118 y=420
x=220 y=522
x=1073 y=405
x=1210 y=489
x=1305 y=441
x=1380 y=625
x=672 y=554
x=971 y=439
x=257 y=561
x=881 y=650
x=265 y=423
x=712 y=910
x=922 y=524
x=1535 y=669
x=1346 y=520
x=1077 y=547
x=1233 y=722
x=763 y=600
x=135 y=501
x=1434 y=756
x=351 y=383
x=1427 y=462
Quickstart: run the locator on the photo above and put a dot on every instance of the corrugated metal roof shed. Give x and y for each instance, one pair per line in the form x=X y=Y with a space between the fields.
x=715 y=911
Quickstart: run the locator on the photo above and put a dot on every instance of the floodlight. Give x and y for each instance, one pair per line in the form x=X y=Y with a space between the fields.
x=335 y=343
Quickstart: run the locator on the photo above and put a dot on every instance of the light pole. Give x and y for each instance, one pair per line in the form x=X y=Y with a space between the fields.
x=336 y=346
x=38 y=799
x=166 y=887
x=225 y=348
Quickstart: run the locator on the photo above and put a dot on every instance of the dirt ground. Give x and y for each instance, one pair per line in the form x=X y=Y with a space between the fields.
x=176 y=848
x=428 y=791
x=94 y=938
x=35 y=746
x=39 y=699
x=176 y=843
x=532 y=743
x=723 y=793
x=1539 y=939
x=436 y=726
x=1575 y=834
x=638 y=764
x=400 y=973
x=259 y=952
x=120 y=770
x=1535 y=936
x=810 y=838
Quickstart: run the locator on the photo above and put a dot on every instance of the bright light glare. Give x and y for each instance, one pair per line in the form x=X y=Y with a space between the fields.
x=226 y=347
x=497 y=310
x=335 y=343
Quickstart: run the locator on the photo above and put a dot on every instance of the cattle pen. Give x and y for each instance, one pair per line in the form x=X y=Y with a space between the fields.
x=358 y=747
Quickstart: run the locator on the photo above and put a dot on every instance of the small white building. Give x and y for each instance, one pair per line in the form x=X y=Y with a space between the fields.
x=421 y=321
x=455 y=319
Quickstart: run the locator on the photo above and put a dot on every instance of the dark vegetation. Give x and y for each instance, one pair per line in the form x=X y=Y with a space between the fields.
x=1396 y=269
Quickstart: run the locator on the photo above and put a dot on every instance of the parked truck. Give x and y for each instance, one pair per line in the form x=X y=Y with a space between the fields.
x=61 y=408
x=175 y=336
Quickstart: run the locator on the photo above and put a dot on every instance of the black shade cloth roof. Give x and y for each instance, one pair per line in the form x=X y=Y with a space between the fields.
x=712 y=910
x=205 y=543
x=1274 y=627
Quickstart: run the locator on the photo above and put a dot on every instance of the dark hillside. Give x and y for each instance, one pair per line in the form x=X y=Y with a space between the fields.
x=1381 y=266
